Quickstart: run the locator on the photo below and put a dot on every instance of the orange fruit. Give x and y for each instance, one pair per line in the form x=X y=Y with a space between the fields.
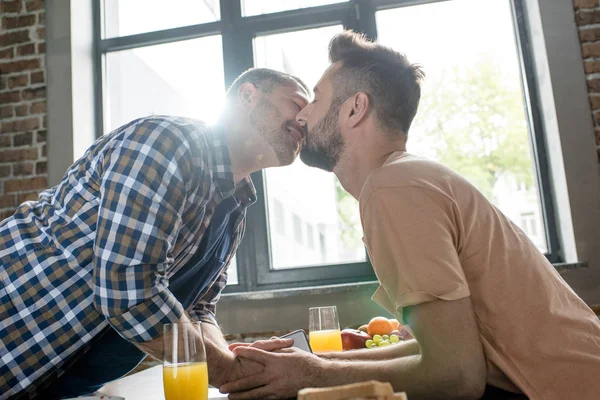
x=395 y=324
x=379 y=326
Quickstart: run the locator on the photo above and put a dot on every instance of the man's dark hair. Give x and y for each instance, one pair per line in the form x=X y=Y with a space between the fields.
x=392 y=83
x=265 y=79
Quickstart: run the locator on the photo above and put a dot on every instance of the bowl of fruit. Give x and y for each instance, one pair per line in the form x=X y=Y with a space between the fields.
x=379 y=332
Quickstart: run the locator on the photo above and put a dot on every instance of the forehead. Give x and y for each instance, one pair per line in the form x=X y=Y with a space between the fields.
x=325 y=84
x=293 y=91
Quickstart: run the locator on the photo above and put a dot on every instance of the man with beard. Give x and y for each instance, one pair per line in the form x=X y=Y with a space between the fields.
x=138 y=234
x=488 y=311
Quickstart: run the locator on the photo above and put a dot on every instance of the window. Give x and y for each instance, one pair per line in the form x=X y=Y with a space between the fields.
x=473 y=91
x=154 y=59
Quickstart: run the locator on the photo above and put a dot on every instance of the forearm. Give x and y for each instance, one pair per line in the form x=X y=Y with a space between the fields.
x=218 y=355
x=404 y=349
x=220 y=359
x=407 y=374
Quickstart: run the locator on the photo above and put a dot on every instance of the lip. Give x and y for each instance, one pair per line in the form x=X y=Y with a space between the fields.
x=297 y=134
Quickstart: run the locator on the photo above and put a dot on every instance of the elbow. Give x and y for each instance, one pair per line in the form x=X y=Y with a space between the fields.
x=467 y=384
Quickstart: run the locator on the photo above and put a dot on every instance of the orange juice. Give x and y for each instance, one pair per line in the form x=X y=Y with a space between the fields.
x=326 y=340
x=186 y=381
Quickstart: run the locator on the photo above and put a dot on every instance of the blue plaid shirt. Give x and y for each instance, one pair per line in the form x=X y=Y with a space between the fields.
x=99 y=248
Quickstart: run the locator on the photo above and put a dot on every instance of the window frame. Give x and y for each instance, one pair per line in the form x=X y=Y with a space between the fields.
x=237 y=34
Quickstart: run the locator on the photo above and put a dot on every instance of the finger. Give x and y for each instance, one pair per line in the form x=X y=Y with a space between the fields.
x=234 y=345
x=244 y=384
x=273 y=338
x=270 y=345
x=253 y=354
x=258 y=393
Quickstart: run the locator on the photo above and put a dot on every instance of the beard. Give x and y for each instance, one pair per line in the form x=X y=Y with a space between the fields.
x=265 y=118
x=324 y=142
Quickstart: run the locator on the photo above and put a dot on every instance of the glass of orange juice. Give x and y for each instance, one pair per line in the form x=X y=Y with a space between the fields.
x=324 y=329
x=185 y=374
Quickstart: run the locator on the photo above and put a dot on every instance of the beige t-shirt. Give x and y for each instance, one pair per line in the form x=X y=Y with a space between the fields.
x=431 y=235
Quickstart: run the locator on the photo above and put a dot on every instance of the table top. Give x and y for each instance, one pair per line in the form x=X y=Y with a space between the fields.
x=145 y=385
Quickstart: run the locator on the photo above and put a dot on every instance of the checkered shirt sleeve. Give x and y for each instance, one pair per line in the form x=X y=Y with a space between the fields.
x=143 y=194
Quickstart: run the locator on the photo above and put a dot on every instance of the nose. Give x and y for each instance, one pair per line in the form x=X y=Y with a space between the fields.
x=301 y=117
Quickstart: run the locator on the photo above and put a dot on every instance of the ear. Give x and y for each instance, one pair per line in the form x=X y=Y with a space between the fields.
x=248 y=95
x=359 y=109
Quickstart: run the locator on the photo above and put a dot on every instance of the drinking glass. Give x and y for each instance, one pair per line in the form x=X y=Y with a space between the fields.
x=185 y=373
x=324 y=329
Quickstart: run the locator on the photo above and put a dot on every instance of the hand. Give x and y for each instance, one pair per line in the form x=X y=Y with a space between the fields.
x=285 y=373
x=272 y=344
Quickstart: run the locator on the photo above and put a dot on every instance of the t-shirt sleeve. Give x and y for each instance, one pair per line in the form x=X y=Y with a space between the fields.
x=412 y=236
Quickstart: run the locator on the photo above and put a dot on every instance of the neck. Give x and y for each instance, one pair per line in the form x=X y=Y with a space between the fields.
x=246 y=152
x=360 y=160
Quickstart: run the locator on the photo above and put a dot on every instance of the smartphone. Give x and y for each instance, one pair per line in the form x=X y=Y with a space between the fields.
x=300 y=340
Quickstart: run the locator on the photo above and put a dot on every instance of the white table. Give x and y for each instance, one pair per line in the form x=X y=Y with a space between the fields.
x=145 y=385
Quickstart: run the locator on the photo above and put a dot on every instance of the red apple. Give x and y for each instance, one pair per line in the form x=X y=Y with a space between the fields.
x=354 y=339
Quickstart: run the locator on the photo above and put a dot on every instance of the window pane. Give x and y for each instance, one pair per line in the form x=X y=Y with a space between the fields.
x=323 y=220
x=254 y=7
x=170 y=79
x=232 y=275
x=472 y=115
x=130 y=17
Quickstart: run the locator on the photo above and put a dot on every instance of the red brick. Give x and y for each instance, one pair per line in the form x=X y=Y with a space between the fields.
x=591 y=49
x=585 y=3
x=596 y=118
x=37 y=77
x=29 y=124
x=18 y=66
x=23 y=169
x=21 y=125
x=25 y=185
x=30 y=196
x=42 y=19
x=17 y=81
x=6 y=111
x=33 y=5
x=41 y=48
x=23 y=139
x=41 y=137
x=30 y=94
x=6 y=214
x=595 y=102
x=41 y=33
x=21 y=110
x=5 y=142
x=38 y=108
x=12 y=155
x=44 y=151
x=12 y=38
x=10 y=97
x=597 y=137
x=10 y=6
x=7 y=54
x=587 y=17
x=4 y=171
x=41 y=167
x=20 y=21
x=7 y=200
x=26 y=49
x=45 y=121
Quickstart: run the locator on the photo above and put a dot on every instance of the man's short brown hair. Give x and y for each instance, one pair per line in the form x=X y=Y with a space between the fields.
x=392 y=83
x=266 y=80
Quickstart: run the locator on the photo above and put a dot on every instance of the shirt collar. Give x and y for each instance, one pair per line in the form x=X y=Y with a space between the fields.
x=225 y=186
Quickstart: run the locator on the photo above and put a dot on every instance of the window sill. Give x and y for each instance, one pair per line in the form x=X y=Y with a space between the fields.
x=341 y=288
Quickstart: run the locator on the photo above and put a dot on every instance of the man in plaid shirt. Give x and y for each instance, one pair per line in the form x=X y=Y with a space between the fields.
x=139 y=233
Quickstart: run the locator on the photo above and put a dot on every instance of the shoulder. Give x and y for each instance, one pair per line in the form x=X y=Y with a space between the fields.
x=406 y=173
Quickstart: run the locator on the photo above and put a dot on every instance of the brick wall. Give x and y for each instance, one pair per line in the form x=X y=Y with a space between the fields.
x=587 y=17
x=22 y=102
